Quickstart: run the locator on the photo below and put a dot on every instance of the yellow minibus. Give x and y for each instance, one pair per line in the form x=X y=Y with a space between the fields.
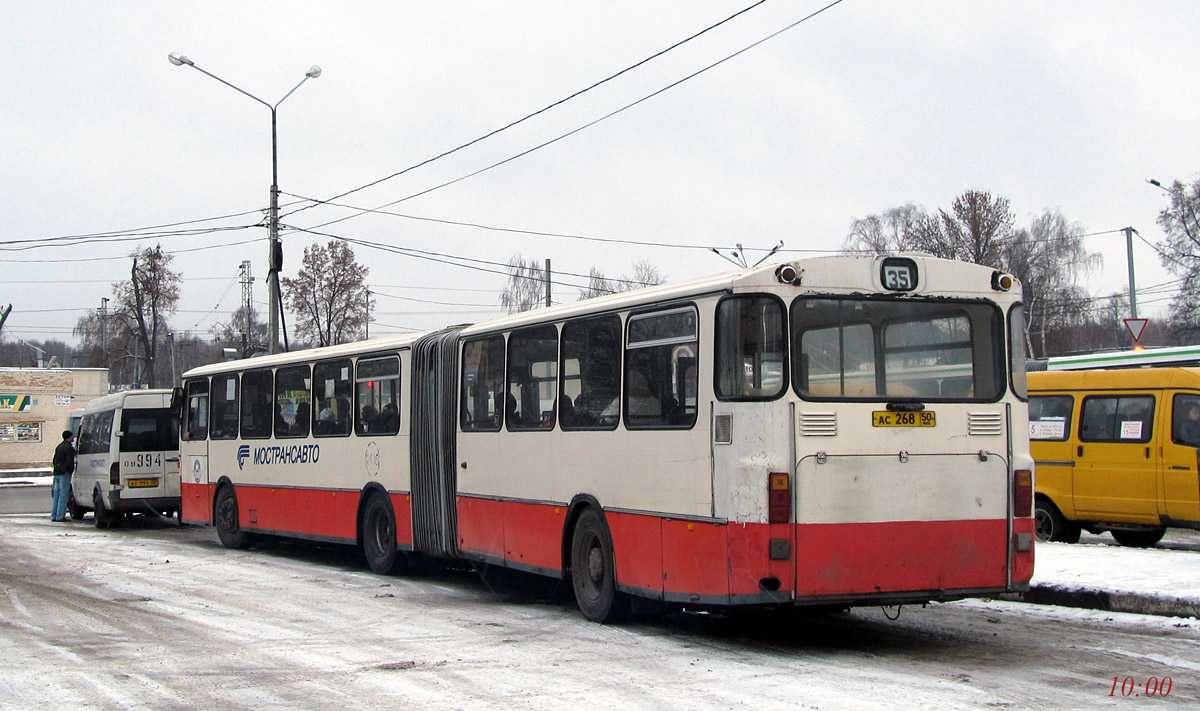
x=1117 y=451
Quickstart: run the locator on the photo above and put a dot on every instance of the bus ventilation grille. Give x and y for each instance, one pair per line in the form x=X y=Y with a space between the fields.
x=818 y=424
x=985 y=424
x=723 y=429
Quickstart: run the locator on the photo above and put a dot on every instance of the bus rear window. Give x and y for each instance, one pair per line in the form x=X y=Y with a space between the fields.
x=882 y=349
x=149 y=431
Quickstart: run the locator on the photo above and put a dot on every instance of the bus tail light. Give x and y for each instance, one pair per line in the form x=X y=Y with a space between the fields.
x=1023 y=493
x=779 y=498
x=114 y=474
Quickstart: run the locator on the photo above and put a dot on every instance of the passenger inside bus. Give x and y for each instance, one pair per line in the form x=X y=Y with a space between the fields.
x=1187 y=423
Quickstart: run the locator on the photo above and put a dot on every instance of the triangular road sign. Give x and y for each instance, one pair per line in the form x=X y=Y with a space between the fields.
x=1136 y=326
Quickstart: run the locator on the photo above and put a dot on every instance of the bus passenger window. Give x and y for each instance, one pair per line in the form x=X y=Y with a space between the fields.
x=257 y=406
x=751 y=348
x=591 y=374
x=224 y=416
x=481 y=398
x=660 y=369
x=531 y=401
x=293 y=408
x=331 y=398
x=196 y=412
x=377 y=391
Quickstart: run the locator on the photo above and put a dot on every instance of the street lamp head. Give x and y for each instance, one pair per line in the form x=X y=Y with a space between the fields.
x=179 y=60
x=313 y=72
x=1154 y=182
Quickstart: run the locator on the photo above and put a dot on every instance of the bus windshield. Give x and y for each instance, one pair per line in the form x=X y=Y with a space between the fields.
x=859 y=348
x=148 y=430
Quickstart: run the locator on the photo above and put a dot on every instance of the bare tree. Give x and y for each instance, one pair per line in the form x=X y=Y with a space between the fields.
x=644 y=274
x=974 y=230
x=886 y=233
x=1180 y=254
x=329 y=295
x=245 y=332
x=127 y=340
x=1048 y=259
x=526 y=288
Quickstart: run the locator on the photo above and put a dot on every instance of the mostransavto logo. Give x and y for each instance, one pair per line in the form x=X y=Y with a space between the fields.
x=243 y=452
x=295 y=454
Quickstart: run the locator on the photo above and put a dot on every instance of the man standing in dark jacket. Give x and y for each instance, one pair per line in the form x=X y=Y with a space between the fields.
x=64 y=466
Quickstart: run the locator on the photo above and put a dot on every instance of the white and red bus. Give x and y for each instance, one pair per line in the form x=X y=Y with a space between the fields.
x=842 y=430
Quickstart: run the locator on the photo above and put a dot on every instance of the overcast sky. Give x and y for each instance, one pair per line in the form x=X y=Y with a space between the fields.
x=1067 y=105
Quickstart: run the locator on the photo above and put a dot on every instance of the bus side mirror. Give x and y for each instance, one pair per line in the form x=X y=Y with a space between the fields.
x=176 y=400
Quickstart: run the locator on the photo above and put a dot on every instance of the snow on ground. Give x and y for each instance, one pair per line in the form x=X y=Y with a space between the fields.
x=1172 y=569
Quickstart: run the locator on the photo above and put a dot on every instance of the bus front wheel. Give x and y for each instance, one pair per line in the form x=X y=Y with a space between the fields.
x=593 y=574
x=379 y=535
x=226 y=516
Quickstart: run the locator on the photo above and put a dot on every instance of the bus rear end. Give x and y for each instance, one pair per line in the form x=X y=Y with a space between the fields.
x=902 y=473
x=145 y=475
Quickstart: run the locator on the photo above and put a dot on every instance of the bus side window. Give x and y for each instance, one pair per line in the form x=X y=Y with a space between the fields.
x=660 y=369
x=195 y=425
x=591 y=373
x=257 y=409
x=481 y=398
x=224 y=423
x=532 y=378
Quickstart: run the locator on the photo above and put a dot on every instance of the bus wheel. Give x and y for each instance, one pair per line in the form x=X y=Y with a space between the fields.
x=1050 y=525
x=226 y=510
x=379 y=535
x=73 y=508
x=1139 y=539
x=593 y=574
x=101 y=516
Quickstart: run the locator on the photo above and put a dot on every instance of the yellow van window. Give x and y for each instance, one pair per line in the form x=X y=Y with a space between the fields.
x=1050 y=417
x=1185 y=421
x=1121 y=418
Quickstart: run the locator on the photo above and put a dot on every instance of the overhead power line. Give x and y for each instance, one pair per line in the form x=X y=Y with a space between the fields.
x=542 y=110
x=585 y=126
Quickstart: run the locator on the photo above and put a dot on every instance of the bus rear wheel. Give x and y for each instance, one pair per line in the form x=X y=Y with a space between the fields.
x=225 y=514
x=101 y=516
x=379 y=535
x=593 y=574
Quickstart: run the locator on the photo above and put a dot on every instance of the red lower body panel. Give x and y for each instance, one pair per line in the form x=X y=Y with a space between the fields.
x=305 y=513
x=855 y=558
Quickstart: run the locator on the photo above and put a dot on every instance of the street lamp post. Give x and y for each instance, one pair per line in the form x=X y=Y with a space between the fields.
x=275 y=250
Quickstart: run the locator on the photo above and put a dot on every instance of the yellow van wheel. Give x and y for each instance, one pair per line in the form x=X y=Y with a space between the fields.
x=1050 y=525
x=1139 y=539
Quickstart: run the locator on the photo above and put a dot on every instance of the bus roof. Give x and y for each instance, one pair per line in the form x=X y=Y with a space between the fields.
x=830 y=274
x=129 y=398
x=1115 y=379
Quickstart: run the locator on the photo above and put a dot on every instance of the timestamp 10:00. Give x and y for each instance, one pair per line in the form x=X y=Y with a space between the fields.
x=1130 y=687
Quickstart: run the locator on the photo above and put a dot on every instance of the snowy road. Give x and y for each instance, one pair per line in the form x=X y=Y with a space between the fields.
x=164 y=618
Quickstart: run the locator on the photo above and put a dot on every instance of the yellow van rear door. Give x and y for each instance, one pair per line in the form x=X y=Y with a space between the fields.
x=1115 y=470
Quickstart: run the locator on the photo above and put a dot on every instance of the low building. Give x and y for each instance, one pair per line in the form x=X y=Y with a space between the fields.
x=36 y=405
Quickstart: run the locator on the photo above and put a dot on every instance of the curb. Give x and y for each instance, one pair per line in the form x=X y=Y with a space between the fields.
x=1108 y=601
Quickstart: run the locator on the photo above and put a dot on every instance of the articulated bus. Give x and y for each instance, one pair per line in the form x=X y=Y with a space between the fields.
x=836 y=431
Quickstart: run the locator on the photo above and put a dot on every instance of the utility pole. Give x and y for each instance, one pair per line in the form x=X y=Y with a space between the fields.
x=368 y=333
x=247 y=294
x=1132 y=288
x=547 y=283
x=104 y=330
